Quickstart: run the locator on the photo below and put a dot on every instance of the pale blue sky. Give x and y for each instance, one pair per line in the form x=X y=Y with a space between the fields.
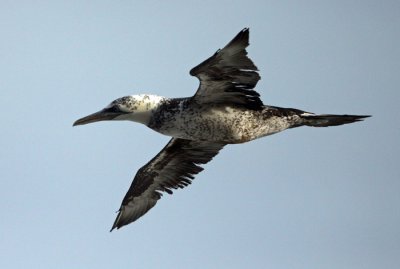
x=305 y=198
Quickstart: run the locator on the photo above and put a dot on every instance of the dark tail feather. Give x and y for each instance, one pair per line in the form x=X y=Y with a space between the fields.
x=330 y=120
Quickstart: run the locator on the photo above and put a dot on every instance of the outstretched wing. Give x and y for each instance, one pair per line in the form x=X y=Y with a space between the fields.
x=174 y=167
x=229 y=76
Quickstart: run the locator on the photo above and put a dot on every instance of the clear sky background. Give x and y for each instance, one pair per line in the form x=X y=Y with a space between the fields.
x=304 y=198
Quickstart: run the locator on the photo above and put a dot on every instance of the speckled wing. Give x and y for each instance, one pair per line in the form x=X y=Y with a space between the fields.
x=174 y=167
x=229 y=76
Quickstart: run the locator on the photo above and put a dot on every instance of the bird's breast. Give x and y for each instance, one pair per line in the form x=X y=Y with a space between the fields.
x=222 y=124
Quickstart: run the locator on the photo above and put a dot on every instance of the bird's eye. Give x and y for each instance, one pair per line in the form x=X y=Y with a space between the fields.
x=113 y=109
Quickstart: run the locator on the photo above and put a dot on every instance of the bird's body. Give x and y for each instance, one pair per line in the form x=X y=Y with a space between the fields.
x=184 y=119
x=229 y=124
x=224 y=110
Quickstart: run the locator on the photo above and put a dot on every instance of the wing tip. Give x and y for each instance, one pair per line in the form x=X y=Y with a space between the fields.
x=116 y=222
x=242 y=36
x=246 y=30
x=115 y=226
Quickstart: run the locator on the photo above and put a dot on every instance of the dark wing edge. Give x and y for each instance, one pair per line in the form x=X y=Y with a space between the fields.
x=229 y=76
x=173 y=167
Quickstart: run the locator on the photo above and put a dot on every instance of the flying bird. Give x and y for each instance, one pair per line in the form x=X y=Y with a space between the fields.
x=224 y=110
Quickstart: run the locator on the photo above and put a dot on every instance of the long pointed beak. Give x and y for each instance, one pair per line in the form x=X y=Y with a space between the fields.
x=98 y=116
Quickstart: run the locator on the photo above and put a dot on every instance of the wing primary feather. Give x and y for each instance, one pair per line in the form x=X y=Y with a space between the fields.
x=174 y=167
x=229 y=76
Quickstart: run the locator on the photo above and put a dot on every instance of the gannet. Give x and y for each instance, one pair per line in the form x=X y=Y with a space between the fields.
x=225 y=110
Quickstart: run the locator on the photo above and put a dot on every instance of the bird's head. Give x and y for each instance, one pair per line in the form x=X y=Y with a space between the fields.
x=137 y=108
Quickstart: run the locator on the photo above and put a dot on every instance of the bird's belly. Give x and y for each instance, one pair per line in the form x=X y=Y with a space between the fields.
x=228 y=125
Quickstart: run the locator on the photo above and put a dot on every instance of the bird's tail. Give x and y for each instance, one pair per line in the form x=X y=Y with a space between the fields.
x=326 y=120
